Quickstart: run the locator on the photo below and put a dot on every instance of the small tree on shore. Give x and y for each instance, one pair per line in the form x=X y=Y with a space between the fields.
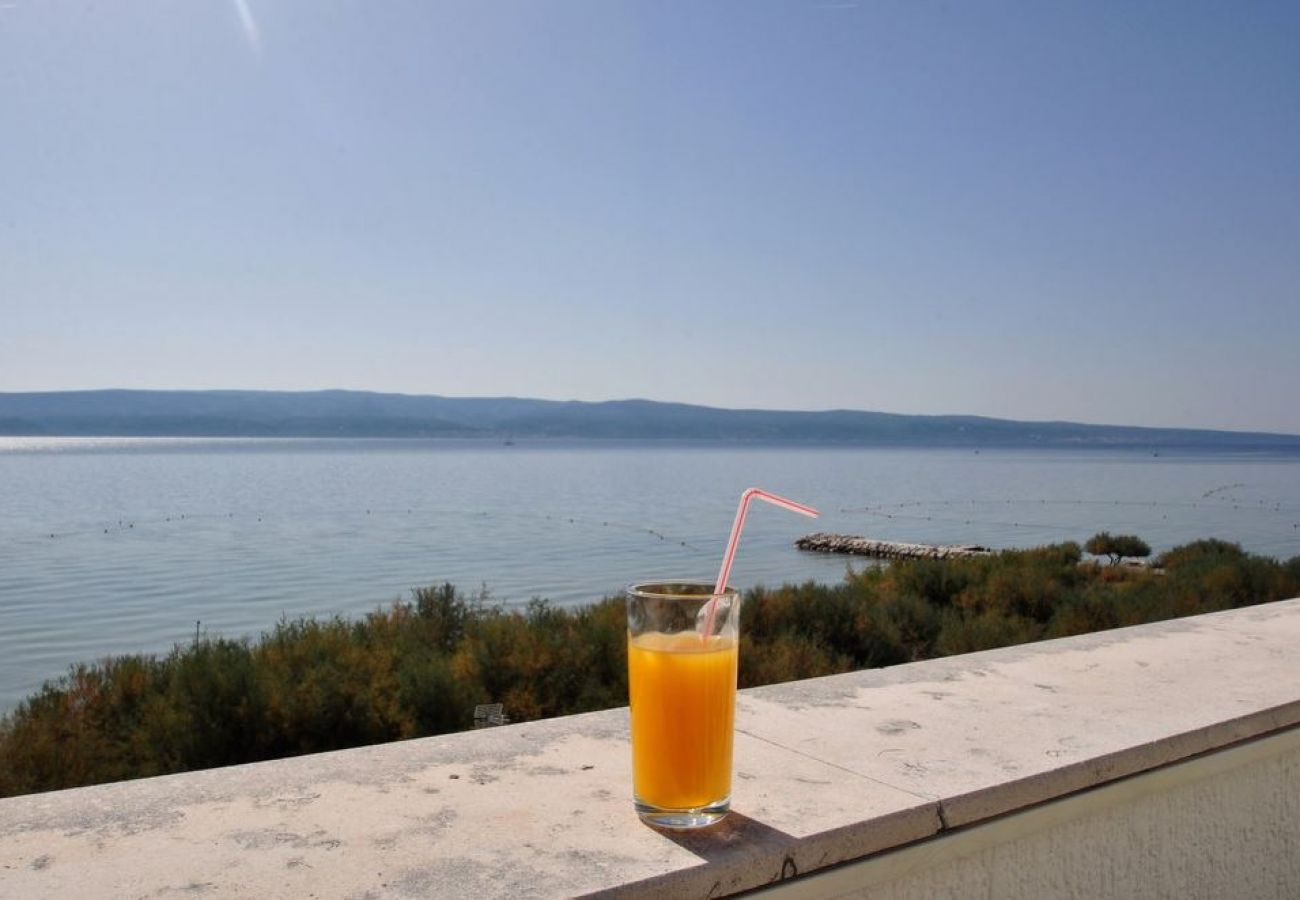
x=1117 y=546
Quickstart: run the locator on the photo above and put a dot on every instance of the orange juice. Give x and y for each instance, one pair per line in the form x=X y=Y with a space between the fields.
x=683 y=696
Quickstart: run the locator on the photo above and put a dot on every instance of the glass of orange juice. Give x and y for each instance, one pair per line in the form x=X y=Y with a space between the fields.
x=682 y=688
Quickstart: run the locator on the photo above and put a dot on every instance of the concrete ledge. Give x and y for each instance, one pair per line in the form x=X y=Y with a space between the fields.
x=828 y=770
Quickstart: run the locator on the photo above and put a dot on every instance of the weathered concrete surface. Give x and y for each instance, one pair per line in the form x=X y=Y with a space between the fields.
x=827 y=770
x=985 y=733
x=538 y=809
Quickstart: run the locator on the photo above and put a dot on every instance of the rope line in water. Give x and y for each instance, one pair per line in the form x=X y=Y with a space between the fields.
x=1219 y=503
x=125 y=525
x=1215 y=498
x=1042 y=526
x=1259 y=505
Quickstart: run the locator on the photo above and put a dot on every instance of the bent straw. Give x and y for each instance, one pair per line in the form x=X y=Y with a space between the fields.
x=734 y=541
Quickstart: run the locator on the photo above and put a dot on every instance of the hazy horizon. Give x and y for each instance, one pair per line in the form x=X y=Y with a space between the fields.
x=1080 y=213
x=521 y=396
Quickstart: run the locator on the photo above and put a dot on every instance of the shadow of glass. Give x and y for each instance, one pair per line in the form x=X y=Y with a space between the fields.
x=736 y=833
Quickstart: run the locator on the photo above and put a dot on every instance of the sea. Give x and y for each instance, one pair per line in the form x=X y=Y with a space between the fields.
x=132 y=545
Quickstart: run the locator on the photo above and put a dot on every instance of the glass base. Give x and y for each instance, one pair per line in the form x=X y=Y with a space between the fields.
x=700 y=817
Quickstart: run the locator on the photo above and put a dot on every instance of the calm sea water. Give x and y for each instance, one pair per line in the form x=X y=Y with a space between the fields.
x=112 y=546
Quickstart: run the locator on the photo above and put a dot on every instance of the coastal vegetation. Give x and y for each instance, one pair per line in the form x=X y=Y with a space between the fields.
x=419 y=666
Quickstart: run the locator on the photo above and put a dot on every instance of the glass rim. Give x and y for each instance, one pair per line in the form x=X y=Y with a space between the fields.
x=698 y=590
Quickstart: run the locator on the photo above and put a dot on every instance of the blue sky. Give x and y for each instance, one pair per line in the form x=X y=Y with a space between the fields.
x=1080 y=211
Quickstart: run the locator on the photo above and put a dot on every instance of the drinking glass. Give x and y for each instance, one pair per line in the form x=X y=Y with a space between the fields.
x=682 y=689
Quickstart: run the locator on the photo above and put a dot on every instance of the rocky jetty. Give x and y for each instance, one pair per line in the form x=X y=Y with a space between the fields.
x=824 y=542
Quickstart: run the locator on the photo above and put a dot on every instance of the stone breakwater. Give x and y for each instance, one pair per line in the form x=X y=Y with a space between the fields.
x=824 y=542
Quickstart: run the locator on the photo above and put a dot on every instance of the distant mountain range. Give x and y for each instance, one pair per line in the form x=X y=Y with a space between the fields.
x=357 y=414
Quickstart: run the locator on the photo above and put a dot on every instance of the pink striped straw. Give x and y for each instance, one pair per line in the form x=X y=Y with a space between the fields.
x=734 y=541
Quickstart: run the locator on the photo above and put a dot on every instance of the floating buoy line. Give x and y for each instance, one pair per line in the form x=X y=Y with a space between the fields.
x=970 y=512
x=150 y=524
